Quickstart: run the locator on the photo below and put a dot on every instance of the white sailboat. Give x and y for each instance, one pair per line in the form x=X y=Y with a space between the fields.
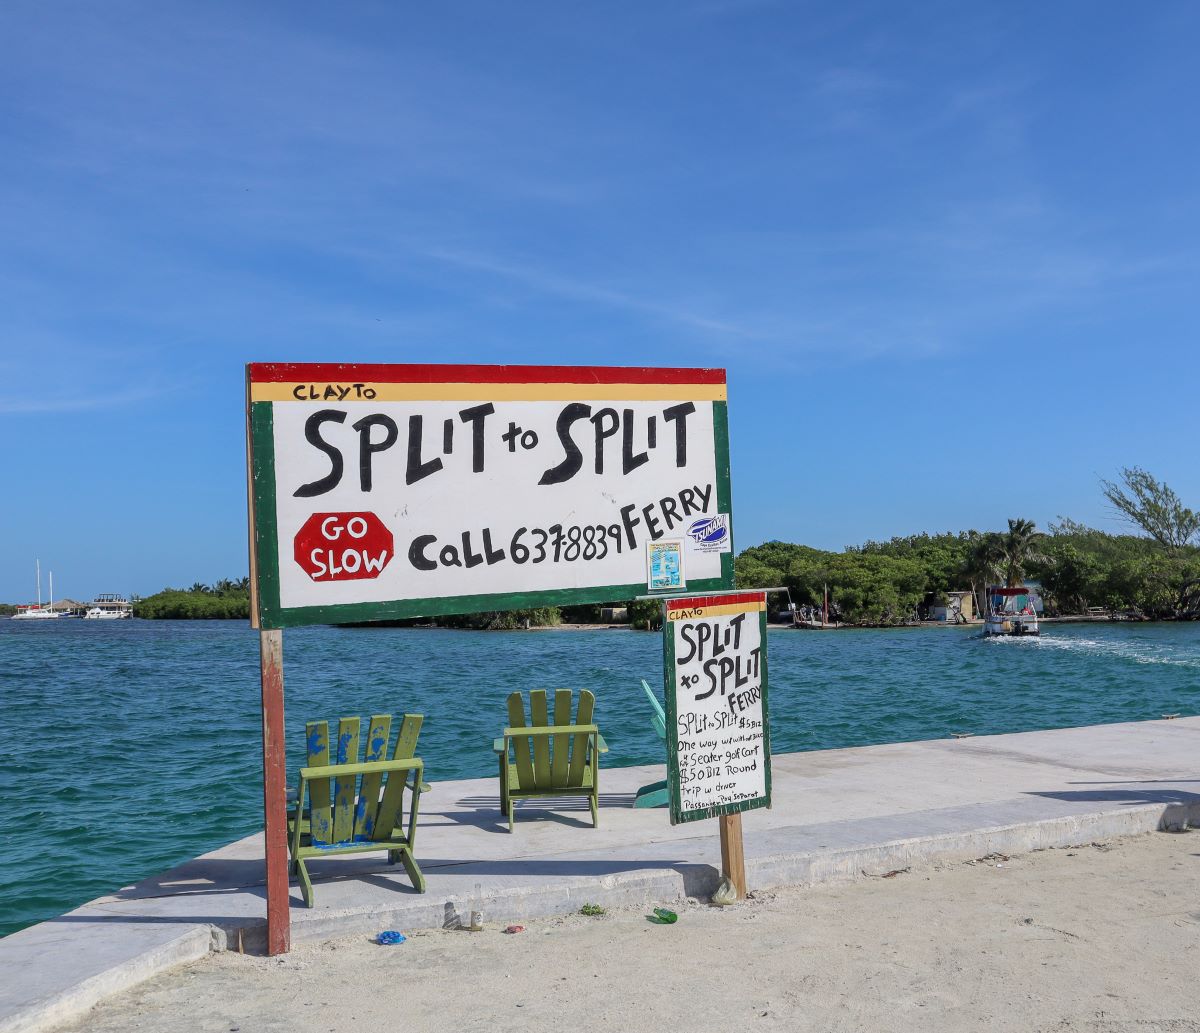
x=39 y=612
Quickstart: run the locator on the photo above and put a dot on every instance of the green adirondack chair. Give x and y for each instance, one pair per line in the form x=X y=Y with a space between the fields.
x=543 y=759
x=655 y=794
x=347 y=806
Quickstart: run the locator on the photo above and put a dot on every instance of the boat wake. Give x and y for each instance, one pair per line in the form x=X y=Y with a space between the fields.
x=1140 y=653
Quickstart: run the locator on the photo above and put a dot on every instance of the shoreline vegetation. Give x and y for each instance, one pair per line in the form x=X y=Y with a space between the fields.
x=1154 y=575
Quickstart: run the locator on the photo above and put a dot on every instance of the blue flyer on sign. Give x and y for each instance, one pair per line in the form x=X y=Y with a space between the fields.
x=664 y=564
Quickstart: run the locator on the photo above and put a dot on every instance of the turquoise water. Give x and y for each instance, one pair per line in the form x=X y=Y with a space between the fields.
x=132 y=746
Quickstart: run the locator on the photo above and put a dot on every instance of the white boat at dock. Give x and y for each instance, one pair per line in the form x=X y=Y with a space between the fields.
x=109 y=607
x=39 y=612
x=1010 y=611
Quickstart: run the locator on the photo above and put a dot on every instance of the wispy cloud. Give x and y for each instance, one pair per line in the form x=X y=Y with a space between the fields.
x=58 y=403
x=579 y=290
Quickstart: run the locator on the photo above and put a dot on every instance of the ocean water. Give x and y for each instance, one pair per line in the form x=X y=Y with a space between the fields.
x=131 y=746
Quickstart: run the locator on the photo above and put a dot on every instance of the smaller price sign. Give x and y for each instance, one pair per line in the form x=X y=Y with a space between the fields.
x=718 y=739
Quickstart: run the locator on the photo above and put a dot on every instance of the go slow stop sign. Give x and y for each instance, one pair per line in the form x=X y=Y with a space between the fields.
x=343 y=546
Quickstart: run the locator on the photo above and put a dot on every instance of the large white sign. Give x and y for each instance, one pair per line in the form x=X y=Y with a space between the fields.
x=393 y=491
x=716 y=689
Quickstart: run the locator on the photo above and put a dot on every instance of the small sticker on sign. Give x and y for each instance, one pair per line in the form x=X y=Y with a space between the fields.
x=710 y=534
x=664 y=566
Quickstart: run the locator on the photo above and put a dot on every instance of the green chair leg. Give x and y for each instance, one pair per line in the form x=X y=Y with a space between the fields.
x=305 y=883
x=414 y=873
x=594 y=802
x=503 y=784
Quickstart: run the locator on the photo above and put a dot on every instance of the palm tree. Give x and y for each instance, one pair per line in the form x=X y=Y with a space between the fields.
x=982 y=566
x=1018 y=549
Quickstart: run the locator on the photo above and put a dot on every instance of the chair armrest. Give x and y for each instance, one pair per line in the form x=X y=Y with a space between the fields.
x=513 y=733
x=372 y=767
x=601 y=745
x=500 y=745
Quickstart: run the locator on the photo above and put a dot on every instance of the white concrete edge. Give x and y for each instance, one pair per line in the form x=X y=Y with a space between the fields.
x=626 y=889
x=824 y=867
x=193 y=943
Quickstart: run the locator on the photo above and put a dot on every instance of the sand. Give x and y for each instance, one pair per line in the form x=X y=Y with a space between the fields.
x=1103 y=938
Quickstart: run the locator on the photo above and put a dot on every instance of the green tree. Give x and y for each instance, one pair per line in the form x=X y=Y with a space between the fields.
x=1017 y=550
x=863 y=587
x=981 y=563
x=646 y=614
x=196 y=603
x=941 y=556
x=1151 y=505
x=503 y=620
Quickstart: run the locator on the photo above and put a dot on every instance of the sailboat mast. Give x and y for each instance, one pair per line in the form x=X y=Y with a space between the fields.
x=39 y=576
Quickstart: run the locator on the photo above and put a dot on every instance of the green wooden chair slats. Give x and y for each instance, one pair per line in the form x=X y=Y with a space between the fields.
x=367 y=809
x=320 y=817
x=561 y=744
x=392 y=806
x=345 y=805
x=516 y=719
x=344 y=786
x=559 y=759
x=540 y=718
x=579 y=757
x=406 y=741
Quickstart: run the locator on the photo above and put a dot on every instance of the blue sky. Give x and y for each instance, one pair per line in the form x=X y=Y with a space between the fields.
x=881 y=220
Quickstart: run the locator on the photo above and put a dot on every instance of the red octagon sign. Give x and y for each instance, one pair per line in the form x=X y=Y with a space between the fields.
x=343 y=546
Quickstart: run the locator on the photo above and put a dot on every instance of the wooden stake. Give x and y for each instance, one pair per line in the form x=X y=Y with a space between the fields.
x=733 y=860
x=279 y=929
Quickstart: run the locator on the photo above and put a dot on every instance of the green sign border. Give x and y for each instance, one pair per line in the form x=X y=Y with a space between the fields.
x=678 y=814
x=266 y=544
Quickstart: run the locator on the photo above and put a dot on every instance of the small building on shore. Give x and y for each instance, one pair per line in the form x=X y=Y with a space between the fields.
x=958 y=608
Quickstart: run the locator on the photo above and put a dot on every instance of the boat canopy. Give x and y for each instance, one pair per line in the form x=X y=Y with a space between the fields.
x=1010 y=600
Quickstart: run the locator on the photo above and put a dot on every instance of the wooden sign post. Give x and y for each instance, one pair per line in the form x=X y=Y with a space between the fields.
x=387 y=491
x=279 y=938
x=718 y=734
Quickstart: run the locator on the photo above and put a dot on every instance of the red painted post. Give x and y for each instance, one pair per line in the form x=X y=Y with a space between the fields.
x=279 y=920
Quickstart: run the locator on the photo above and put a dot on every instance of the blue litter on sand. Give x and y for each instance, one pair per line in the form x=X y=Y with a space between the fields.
x=390 y=937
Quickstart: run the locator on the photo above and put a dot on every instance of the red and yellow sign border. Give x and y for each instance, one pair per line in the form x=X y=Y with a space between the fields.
x=306 y=382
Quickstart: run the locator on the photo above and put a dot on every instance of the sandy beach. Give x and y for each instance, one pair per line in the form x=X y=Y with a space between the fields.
x=1103 y=939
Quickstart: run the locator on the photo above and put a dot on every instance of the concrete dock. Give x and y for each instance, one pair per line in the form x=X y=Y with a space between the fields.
x=837 y=814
